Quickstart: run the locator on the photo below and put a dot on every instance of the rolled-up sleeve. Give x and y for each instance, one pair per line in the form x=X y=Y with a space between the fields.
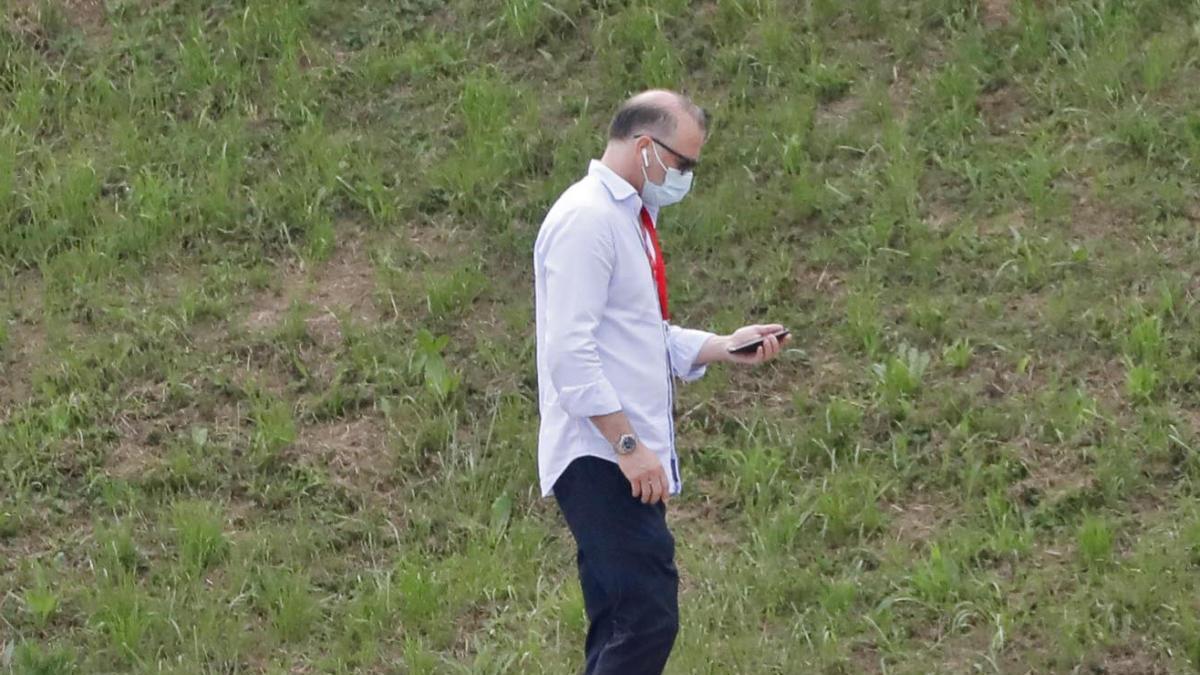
x=684 y=345
x=577 y=260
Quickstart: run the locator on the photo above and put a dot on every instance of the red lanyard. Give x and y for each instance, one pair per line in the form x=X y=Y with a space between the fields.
x=658 y=265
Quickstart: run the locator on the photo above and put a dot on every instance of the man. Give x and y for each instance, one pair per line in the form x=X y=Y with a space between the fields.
x=606 y=355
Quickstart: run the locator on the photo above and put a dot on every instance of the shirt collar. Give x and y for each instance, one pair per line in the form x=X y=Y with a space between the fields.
x=620 y=189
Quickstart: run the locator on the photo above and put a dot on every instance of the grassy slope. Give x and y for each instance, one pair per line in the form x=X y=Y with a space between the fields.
x=268 y=400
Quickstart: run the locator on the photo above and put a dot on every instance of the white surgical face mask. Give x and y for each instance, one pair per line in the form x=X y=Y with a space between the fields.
x=674 y=187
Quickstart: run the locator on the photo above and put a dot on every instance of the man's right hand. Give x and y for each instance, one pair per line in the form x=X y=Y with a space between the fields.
x=645 y=474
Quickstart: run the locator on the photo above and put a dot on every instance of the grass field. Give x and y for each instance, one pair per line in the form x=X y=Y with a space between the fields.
x=267 y=384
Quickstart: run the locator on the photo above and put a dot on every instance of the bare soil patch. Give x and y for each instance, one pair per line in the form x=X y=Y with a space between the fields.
x=1131 y=658
x=838 y=113
x=25 y=346
x=916 y=521
x=132 y=457
x=353 y=451
x=1093 y=219
x=1002 y=109
x=343 y=286
x=149 y=421
x=995 y=13
x=87 y=16
x=701 y=517
x=1052 y=477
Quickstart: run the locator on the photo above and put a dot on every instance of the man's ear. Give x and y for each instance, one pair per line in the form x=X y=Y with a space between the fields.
x=644 y=152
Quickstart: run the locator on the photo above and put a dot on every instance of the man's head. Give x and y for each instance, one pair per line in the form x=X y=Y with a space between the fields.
x=653 y=134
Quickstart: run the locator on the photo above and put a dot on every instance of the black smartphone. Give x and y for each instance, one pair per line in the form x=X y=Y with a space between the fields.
x=753 y=345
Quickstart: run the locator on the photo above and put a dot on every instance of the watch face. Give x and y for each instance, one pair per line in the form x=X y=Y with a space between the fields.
x=628 y=443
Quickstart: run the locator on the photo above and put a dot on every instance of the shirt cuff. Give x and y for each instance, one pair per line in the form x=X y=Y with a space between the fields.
x=589 y=400
x=685 y=345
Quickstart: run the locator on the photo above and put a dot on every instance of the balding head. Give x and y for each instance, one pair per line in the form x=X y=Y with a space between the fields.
x=656 y=112
x=654 y=131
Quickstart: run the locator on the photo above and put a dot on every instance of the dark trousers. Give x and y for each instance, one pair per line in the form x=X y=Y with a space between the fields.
x=626 y=558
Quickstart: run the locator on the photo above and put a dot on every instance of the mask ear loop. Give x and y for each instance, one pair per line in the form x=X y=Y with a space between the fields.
x=658 y=158
x=645 y=176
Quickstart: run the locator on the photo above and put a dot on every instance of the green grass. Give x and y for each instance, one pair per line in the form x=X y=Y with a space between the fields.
x=267 y=385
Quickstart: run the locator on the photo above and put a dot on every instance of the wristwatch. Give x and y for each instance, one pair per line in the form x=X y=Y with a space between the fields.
x=626 y=444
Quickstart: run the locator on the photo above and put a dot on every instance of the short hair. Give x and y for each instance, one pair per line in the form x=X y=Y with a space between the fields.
x=637 y=117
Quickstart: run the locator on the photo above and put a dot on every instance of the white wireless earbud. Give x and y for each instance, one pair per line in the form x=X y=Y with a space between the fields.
x=645 y=158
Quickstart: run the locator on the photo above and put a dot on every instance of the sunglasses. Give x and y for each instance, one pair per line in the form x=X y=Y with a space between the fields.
x=686 y=164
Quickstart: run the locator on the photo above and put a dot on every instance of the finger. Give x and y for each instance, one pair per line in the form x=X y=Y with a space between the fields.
x=637 y=487
x=656 y=490
x=774 y=346
x=770 y=328
x=648 y=491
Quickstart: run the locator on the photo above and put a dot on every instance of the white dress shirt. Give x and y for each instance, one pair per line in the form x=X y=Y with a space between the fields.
x=602 y=344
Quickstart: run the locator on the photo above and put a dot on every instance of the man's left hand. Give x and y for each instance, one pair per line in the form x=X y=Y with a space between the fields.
x=769 y=349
